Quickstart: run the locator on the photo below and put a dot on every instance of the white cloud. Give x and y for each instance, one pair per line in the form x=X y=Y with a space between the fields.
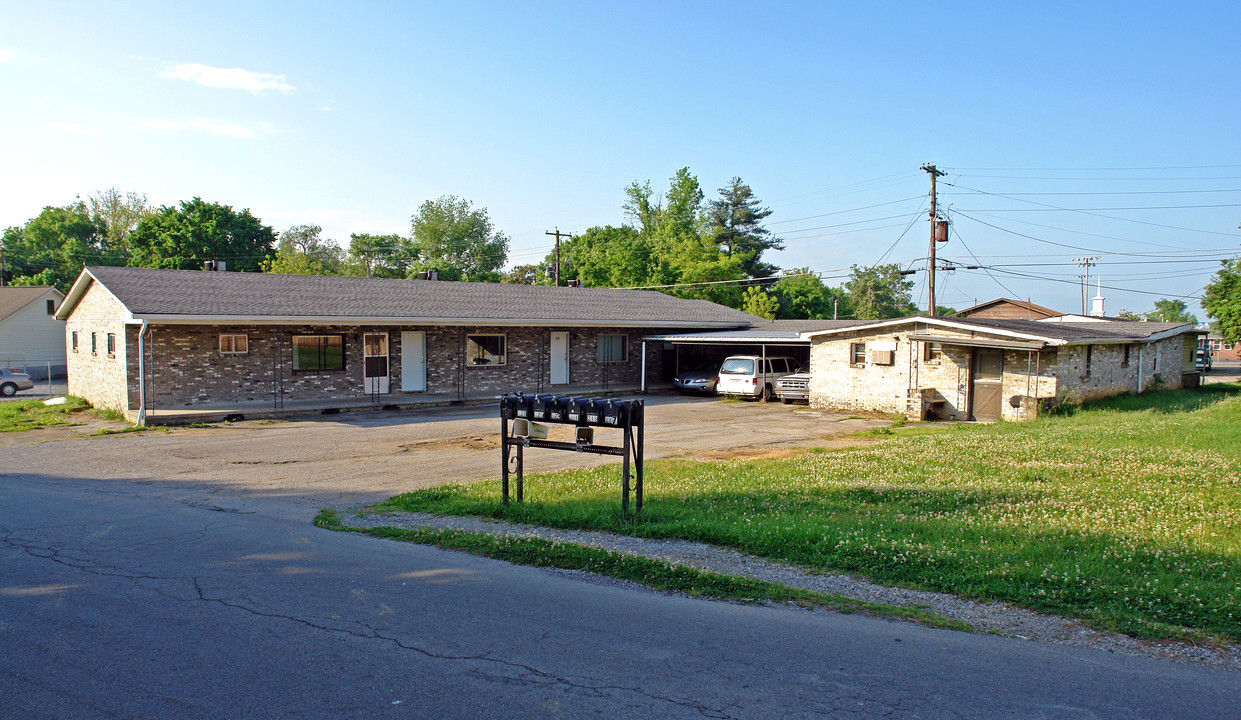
x=227 y=129
x=232 y=78
x=9 y=55
x=72 y=129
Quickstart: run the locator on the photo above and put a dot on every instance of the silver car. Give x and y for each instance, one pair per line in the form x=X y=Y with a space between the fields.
x=11 y=382
x=697 y=380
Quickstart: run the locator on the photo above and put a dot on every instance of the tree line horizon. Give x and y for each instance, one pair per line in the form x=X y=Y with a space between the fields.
x=677 y=241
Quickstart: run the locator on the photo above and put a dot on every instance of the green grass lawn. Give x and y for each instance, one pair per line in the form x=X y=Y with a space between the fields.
x=1125 y=512
x=32 y=414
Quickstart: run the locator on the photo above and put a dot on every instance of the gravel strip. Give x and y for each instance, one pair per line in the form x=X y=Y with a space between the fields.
x=997 y=618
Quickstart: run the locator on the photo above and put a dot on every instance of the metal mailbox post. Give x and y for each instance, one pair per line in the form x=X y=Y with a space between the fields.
x=522 y=419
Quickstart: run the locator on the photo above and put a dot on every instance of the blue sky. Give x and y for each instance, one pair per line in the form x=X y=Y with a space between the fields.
x=1066 y=129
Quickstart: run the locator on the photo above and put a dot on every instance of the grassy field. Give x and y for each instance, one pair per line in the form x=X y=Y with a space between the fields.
x=1126 y=513
x=32 y=414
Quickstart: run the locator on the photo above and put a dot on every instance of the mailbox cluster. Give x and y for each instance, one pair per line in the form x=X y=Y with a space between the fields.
x=581 y=411
x=529 y=415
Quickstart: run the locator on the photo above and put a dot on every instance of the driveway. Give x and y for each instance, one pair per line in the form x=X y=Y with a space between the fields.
x=367 y=458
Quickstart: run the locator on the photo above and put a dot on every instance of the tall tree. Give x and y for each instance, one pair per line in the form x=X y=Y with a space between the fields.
x=53 y=246
x=459 y=242
x=385 y=256
x=1222 y=300
x=1171 y=311
x=879 y=292
x=118 y=213
x=735 y=221
x=301 y=251
x=186 y=236
x=803 y=296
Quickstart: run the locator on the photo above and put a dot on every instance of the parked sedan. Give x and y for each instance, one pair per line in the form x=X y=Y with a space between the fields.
x=700 y=379
x=11 y=382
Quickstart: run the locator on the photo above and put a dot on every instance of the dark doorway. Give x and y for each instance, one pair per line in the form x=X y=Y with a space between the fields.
x=986 y=384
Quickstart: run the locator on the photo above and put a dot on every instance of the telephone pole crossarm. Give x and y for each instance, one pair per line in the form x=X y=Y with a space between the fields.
x=934 y=213
x=556 y=270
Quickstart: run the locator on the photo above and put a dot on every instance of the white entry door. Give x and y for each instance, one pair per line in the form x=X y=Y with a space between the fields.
x=413 y=361
x=560 y=358
x=375 y=362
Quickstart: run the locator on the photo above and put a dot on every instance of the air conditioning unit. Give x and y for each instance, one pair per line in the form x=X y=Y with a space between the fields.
x=883 y=357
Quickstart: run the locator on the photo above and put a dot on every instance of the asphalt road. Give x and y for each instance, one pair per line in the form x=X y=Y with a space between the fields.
x=116 y=602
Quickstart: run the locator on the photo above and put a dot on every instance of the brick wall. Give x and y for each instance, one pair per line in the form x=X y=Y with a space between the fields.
x=98 y=376
x=186 y=369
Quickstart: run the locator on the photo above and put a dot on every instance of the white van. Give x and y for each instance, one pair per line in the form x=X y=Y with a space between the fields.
x=745 y=375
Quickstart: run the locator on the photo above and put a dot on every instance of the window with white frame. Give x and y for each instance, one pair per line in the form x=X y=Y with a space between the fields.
x=486 y=350
x=932 y=351
x=234 y=344
x=857 y=353
x=613 y=348
x=111 y=344
x=75 y=341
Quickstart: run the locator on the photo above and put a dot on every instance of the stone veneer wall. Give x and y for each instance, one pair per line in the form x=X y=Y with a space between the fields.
x=100 y=377
x=1156 y=363
x=1029 y=381
x=186 y=369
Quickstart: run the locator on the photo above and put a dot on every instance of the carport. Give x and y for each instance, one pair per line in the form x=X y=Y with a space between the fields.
x=771 y=338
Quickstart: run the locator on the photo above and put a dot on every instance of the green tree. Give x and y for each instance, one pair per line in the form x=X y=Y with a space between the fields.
x=1129 y=315
x=117 y=213
x=1222 y=300
x=526 y=275
x=301 y=251
x=735 y=222
x=459 y=242
x=384 y=256
x=879 y=292
x=803 y=296
x=184 y=237
x=53 y=247
x=1171 y=311
x=611 y=257
x=758 y=302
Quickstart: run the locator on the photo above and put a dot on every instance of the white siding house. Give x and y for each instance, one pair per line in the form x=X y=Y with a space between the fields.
x=31 y=338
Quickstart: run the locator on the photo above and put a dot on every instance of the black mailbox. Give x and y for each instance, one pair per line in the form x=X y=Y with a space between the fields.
x=592 y=414
x=616 y=413
x=539 y=406
x=575 y=411
x=509 y=403
x=558 y=409
x=521 y=407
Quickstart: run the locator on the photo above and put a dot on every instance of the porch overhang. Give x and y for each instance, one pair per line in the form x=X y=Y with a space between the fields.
x=1027 y=345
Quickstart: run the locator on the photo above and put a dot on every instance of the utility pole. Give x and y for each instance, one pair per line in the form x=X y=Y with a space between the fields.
x=935 y=234
x=556 y=275
x=1085 y=262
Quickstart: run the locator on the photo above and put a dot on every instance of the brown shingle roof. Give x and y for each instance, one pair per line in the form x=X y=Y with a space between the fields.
x=219 y=296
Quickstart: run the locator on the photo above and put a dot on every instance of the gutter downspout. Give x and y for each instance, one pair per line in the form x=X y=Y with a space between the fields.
x=142 y=375
x=644 y=367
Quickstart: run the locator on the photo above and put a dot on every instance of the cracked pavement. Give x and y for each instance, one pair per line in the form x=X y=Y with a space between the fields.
x=116 y=603
x=158 y=576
